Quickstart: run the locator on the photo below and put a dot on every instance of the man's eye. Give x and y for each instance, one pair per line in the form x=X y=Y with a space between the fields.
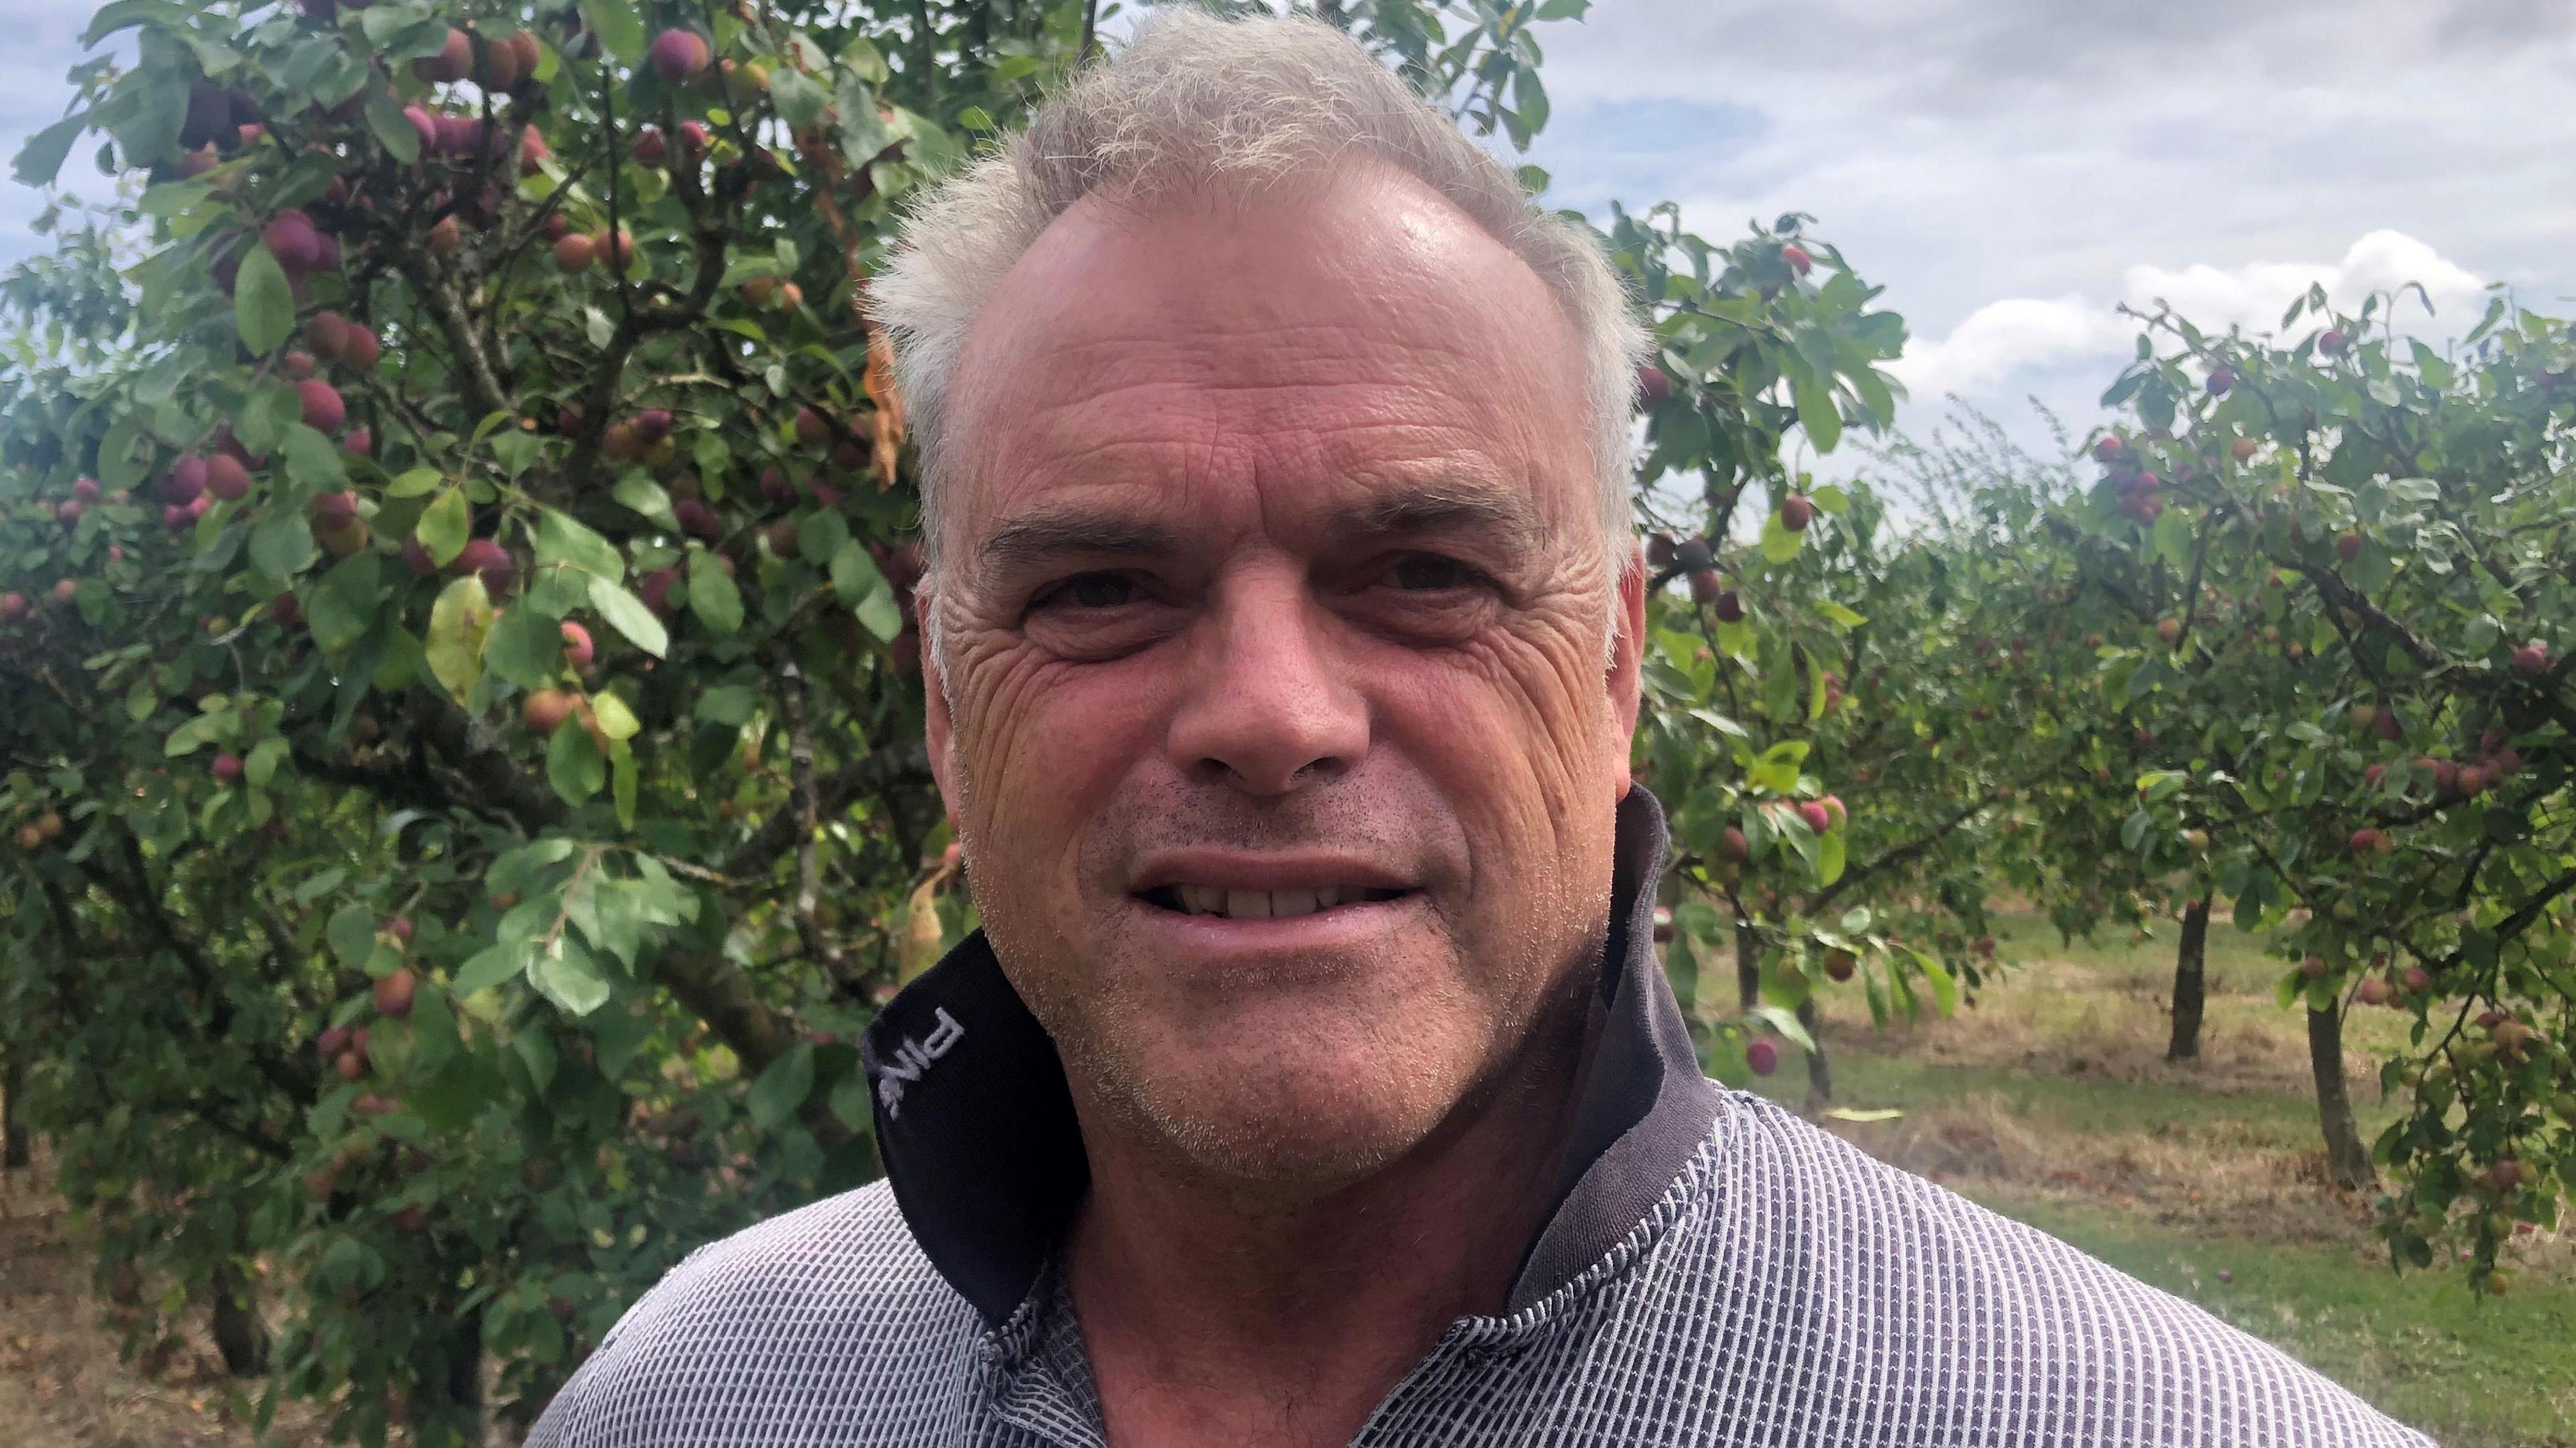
x=1089 y=590
x=1429 y=572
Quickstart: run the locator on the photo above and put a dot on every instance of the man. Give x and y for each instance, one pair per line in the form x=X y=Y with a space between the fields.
x=1313 y=1079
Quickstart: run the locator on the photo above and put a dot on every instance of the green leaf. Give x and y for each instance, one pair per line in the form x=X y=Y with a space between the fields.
x=823 y=535
x=41 y=158
x=282 y=545
x=863 y=134
x=262 y=765
x=730 y=704
x=1816 y=412
x=712 y=596
x=312 y=459
x=610 y=917
x=561 y=540
x=458 y=622
x=564 y=973
x=573 y=765
x=620 y=28
x=526 y=648
x=445 y=526
x=266 y=414
x=2173 y=537
x=1779 y=545
x=1829 y=857
x=343 y=608
x=880 y=614
x=615 y=720
x=490 y=967
x=860 y=56
x=352 y=934
x=147 y=131
x=1786 y=1023
x=1945 y=988
x=413 y=482
x=1529 y=98
x=627 y=614
x=850 y=1102
x=782 y=1088
x=621 y=762
x=2134 y=829
x=385 y=121
x=637 y=492
x=798 y=99
x=263 y=305
x=320 y=885
x=123 y=457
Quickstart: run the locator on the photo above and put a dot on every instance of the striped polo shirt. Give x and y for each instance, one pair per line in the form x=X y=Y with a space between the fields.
x=1714 y=1270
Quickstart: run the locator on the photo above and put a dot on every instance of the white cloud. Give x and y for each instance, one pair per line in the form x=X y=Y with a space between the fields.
x=2253 y=295
x=2066 y=348
x=2010 y=170
x=2002 y=339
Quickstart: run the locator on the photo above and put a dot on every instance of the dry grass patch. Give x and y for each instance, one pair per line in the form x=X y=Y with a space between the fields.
x=61 y=1382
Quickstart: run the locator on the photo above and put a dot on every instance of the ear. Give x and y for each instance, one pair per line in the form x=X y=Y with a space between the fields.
x=1625 y=677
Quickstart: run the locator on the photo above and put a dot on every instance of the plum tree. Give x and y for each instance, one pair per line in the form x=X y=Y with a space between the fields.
x=2365 y=710
x=405 y=450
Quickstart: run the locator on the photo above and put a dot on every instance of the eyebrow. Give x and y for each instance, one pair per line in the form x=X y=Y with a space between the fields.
x=1442 y=505
x=1047 y=533
x=1452 y=504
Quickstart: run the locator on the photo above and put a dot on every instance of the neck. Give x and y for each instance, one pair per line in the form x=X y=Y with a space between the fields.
x=1216 y=1311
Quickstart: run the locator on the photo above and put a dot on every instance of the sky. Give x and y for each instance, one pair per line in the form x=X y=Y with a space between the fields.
x=2009 y=170
x=2012 y=170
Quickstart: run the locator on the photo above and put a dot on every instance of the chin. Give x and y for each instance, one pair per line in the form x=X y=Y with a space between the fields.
x=1295 y=1102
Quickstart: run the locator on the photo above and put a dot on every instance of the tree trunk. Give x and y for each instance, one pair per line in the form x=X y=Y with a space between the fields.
x=2347 y=1159
x=449 y=1406
x=2191 y=981
x=239 y=1334
x=1820 y=1076
x=15 y=1150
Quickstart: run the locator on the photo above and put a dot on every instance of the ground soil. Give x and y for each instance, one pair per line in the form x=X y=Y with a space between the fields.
x=64 y=1381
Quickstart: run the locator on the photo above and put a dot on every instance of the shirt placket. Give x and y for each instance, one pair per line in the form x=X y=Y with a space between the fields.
x=1042 y=1390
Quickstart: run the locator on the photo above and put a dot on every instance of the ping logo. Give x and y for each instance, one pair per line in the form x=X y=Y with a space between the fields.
x=912 y=1058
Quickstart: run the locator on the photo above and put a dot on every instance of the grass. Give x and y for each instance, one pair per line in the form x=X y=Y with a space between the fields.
x=2474 y=1372
x=2050 y=1101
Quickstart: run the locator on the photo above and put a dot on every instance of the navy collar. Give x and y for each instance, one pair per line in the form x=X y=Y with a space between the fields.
x=977 y=1132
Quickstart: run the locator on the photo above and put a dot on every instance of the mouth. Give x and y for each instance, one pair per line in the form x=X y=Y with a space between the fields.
x=1230 y=904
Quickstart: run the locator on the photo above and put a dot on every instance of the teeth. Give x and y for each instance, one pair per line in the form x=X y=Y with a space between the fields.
x=1259 y=904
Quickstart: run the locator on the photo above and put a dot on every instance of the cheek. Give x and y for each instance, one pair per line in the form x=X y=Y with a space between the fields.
x=1522 y=716
x=1512 y=732
x=1042 y=747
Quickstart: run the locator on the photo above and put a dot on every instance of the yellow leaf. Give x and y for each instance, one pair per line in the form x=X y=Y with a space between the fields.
x=458 y=624
x=921 y=932
x=888 y=420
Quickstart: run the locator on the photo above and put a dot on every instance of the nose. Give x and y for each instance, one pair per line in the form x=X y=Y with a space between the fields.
x=1268 y=704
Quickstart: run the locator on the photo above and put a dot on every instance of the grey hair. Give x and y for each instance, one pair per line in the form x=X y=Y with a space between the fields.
x=1192 y=101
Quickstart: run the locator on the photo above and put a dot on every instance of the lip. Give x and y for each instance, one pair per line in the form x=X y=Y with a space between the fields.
x=1235 y=870
x=1345 y=931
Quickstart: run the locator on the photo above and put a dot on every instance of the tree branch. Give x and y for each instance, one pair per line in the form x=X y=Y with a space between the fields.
x=907 y=762
x=493 y=774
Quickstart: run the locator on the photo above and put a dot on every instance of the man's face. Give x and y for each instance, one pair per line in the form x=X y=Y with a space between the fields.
x=1277 y=724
